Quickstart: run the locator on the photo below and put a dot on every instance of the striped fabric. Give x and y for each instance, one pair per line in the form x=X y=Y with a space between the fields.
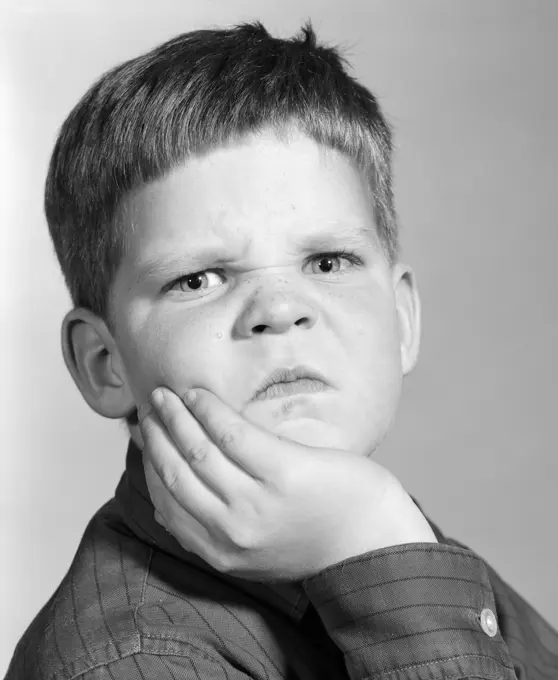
x=135 y=606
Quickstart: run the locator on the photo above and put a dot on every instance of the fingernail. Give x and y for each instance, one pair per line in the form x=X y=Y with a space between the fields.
x=190 y=397
x=157 y=397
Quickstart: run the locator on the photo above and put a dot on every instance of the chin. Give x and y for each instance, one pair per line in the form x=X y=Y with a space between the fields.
x=312 y=432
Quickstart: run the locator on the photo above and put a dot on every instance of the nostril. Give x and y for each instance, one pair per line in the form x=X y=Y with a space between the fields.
x=260 y=329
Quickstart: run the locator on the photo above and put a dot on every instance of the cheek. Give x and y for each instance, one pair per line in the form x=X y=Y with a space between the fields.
x=373 y=350
x=172 y=354
x=186 y=357
x=370 y=325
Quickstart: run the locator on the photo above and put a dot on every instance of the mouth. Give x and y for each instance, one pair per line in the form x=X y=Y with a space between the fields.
x=285 y=389
x=288 y=381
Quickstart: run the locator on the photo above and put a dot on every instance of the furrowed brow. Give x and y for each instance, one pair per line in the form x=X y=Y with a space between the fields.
x=167 y=264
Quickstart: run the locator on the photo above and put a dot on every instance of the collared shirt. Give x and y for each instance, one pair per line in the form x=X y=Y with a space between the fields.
x=135 y=605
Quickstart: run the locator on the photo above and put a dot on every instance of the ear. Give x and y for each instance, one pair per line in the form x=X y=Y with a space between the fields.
x=93 y=360
x=407 y=302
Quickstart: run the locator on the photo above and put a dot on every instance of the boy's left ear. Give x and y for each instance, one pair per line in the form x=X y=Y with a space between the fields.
x=407 y=302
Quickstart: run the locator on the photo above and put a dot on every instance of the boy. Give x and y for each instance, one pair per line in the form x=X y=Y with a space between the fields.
x=221 y=208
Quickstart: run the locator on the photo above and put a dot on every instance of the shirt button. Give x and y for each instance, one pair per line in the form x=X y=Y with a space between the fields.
x=488 y=622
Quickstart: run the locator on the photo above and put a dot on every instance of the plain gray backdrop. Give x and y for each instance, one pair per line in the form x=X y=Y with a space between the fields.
x=471 y=90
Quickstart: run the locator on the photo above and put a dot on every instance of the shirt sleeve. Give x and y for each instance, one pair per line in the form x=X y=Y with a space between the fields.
x=421 y=611
x=195 y=666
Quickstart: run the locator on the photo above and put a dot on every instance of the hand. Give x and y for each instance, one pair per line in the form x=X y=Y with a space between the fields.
x=263 y=507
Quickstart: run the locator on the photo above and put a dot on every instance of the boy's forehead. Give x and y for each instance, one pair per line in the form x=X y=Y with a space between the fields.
x=262 y=174
x=209 y=221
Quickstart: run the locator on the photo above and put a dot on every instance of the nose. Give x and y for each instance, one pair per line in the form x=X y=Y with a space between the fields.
x=275 y=307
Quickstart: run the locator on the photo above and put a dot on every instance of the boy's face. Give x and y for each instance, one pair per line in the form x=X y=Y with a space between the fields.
x=271 y=299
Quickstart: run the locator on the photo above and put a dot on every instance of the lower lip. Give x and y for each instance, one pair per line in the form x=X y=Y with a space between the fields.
x=289 y=388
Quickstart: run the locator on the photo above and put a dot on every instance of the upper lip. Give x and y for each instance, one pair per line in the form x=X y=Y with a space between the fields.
x=286 y=374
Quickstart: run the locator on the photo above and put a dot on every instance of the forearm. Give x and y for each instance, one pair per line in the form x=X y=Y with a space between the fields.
x=412 y=611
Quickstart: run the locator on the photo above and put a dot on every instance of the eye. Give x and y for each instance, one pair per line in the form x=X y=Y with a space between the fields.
x=196 y=282
x=328 y=262
x=199 y=283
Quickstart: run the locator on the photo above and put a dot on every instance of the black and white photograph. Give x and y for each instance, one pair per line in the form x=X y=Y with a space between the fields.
x=280 y=330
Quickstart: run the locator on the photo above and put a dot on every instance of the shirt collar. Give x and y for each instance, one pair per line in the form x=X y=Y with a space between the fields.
x=137 y=512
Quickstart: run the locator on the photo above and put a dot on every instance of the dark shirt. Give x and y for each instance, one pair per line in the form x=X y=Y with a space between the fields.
x=135 y=605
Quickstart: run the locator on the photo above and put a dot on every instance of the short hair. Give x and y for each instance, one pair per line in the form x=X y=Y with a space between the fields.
x=196 y=92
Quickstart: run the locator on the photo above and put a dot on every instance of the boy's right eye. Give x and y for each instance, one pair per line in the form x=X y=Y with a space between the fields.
x=192 y=283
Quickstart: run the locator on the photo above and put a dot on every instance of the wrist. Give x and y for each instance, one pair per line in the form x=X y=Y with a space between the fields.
x=399 y=522
x=404 y=521
x=376 y=525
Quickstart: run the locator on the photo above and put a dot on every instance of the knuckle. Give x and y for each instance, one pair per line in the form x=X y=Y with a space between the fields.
x=171 y=480
x=230 y=437
x=196 y=455
x=173 y=420
x=202 y=412
x=223 y=562
x=242 y=538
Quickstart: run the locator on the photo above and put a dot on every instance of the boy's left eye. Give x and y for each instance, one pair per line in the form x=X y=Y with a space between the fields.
x=348 y=255
x=195 y=280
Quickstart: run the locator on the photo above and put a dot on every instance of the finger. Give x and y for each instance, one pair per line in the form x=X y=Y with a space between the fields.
x=175 y=518
x=220 y=472
x=192 y=534
x=177 y=478
x=249 y=445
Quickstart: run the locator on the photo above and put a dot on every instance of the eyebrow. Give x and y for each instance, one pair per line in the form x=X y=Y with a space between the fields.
x=345 y=234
